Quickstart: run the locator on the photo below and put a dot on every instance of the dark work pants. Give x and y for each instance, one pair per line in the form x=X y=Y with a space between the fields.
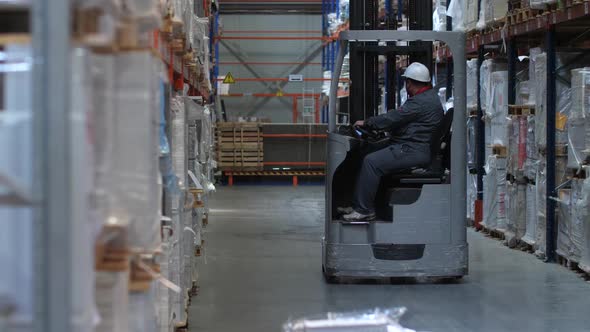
x=386 y=161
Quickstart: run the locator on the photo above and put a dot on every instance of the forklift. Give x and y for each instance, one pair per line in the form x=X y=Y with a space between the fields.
x=420 y=229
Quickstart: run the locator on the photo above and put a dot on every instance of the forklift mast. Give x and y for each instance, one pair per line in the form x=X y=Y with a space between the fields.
x=364 y=66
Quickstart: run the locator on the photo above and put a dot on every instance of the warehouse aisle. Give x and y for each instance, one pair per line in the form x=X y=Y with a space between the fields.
x=263 y=265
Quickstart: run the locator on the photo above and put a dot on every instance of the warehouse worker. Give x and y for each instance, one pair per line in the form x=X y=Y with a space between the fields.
x=411 y=127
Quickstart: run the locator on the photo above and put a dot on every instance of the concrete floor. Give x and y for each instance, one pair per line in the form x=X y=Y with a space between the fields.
x=262 y=266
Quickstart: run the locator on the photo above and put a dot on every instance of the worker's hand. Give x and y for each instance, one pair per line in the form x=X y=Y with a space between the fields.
x=359 y=123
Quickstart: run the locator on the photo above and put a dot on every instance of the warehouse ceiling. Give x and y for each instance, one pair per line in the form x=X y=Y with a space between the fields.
x=271 y=6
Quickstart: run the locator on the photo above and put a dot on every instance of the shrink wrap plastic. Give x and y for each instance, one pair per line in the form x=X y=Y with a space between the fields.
x=385 y=320
x=541 y=190
x=571 y=238
x=495 y=193
x=579 y=120
x=516 y=219
x=530 y=235
x=582 y=211
x=16 y=175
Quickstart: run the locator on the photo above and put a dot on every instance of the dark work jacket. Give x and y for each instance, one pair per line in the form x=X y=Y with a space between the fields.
x=413 y=124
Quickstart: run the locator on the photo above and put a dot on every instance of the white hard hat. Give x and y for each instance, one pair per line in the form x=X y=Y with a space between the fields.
x=417 y=72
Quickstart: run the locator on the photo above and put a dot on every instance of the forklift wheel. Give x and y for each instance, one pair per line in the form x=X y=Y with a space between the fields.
x=328 y=278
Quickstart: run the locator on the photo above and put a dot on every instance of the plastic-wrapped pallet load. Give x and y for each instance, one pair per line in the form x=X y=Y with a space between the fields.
x=471 y=146
x=134 y=172
x=491 y=11
x=541 y=199
x=488 y=137
x=517 y=138
x=497 y=110
x=142 y=312
x=439 y=17
x=582 y=211
x=530 y=235
x=177 y=202
x=563 y=105
x=516 y=215
x=464 y=14
x=162 y=292
x=579 y=120
x=564 y=223
x=111 y=291
x=471 y=84
x=485 y=83
x=85 y=224
x=471 y=195
x=571 y=237
x=112 y=298
x=16 y=175
x=532 y=155
x=512 y=143
x=577 y=236
x=539 y=62
x=471 y=14
x=494 y=214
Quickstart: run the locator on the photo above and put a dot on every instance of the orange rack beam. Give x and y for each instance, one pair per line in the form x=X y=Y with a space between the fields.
x=272 y=63
x=294 y=135
x=294 y=163
x=269 y=38
x=273 y=31
x=276 y=79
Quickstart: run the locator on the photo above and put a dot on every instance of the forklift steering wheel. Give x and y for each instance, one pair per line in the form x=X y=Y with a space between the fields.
x=364 y=132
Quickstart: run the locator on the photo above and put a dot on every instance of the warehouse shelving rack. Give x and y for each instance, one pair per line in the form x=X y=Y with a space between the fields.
x=541 y=28
x=392 y=17
x=49 y=33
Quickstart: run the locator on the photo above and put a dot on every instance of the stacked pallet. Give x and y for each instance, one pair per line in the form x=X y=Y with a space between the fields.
x=515 y=182
x=240 y=146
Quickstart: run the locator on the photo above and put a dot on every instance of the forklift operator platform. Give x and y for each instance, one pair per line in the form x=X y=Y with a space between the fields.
x=419 y=223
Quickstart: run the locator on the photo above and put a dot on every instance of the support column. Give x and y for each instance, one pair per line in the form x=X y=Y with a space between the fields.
x=295 y=110
x=53 y=213
x=481 y=145
x=551 y=230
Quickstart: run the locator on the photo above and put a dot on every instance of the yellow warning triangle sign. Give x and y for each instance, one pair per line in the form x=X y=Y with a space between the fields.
x=229 y=79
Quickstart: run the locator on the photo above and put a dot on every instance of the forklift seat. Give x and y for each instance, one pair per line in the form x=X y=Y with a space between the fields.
x=440 y=152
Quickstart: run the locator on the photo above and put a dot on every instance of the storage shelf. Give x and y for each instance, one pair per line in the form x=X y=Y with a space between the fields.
x=535 y=25
x=172 y=50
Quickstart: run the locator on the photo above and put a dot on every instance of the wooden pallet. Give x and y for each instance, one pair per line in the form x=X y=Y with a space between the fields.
x=522 y=15
x=127 y=37
x=240 y=146
x=194 y=291
x=523 y=246
x=139 y=279
x=521 y=110
x=560 y=150
x=199 y=249
x=500 y=150
x=493 y=233
x=111 y=251
x=573 y=266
